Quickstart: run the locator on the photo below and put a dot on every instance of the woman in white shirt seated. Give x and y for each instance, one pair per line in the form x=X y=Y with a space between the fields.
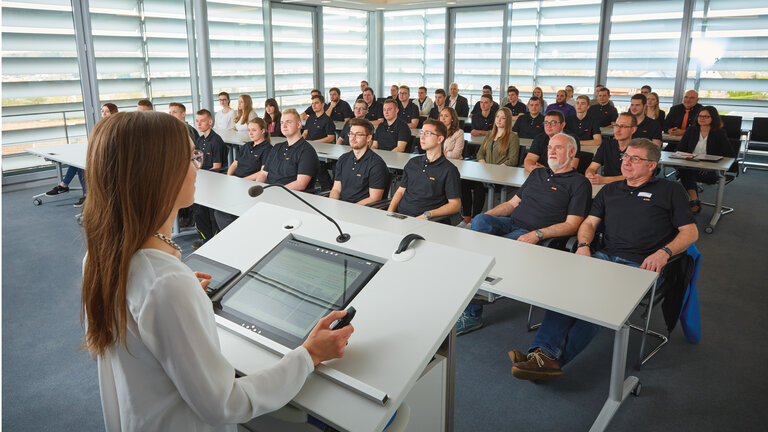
x=225 y=119
x=245 y=114
x=453 y=146
x=149 y=322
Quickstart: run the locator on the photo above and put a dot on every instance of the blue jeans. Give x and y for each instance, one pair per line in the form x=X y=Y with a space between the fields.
x=563 y=337
x=70 y=174
x=500 y=226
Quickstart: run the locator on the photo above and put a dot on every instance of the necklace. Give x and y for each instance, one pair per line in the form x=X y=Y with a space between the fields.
x=169 y=241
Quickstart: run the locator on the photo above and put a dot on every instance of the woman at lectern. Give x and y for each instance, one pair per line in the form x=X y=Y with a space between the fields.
x=149 y=323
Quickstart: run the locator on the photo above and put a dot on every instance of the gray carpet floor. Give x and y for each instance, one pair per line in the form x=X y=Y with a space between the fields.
x=50 y=384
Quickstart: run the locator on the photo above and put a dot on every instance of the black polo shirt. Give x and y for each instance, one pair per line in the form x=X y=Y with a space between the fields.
x=341 y=111
x=604 y=114
x=548 y=198
x=641 y=220
x=388 y=135
x=518 y=108
x=476 y=109
x=319 y=127
x=344 y=134
x=375 y=111
x=250 y=158
x=285 y=162
x=608 y=155
x=214 y=150
x=428 y=185
x=434 y=113
x=359 y=175
x=483 y=123
x=409 y=113
x=539 y=147
x=527 y=126
x=584 y=129
x=648 y=128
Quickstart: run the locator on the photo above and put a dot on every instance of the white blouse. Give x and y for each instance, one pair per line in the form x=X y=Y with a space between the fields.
x=244 y=126
x=225 y=121
x=701 y=146
x=172 y=376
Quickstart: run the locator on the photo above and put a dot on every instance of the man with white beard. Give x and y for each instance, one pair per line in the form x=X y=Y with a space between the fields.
x=552 y=202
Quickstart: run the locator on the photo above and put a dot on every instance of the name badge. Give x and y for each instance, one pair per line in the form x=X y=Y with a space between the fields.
x=644 y=194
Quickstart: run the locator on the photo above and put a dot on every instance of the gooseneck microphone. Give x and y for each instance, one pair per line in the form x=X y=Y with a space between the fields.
x=257 y=190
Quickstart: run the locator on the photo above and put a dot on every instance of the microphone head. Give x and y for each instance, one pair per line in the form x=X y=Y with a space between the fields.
x=255 y=191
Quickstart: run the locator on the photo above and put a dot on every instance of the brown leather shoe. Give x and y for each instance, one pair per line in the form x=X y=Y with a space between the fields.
x=537 y=367
x=517 y=356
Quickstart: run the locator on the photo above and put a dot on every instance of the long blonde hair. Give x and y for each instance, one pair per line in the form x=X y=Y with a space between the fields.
x=135 y=170
x=652 y=112
x=245 y=113
x=504 y=141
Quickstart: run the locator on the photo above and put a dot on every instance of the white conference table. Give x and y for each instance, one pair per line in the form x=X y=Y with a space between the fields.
x=64 y=154
x=665 y=137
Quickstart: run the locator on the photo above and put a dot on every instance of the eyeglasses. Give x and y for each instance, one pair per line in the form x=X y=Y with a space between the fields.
x=223 y=100
x=551 y=123
x=428 y=133
x=705 y=116
x=358 y=134
x=197 y=159
x=361 y=109
x=634 y=159
x=621 y=126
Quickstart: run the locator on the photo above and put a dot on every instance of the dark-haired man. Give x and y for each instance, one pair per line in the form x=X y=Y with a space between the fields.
x=214 y=159
x=561 y=105
x=646 y=127
x=482 y=120
x=610 y=152
x=361 y=175
x=537 y=155
x=513 y=103
x=179 y=111
x=144 y=105
x=292 y=163
x=424 y=103
x=531 y=123
x=582 y=125
x=487 y=91
x=374 y=114
x=440 y=99
x=337 y=109
x=363 y=86
x=406 y=110
x=604 y=112
x=360 y=109
x=319 y=127
x=392 y=134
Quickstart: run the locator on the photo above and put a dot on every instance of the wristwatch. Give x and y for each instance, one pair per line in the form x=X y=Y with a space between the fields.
x=539 y=234
x=581 y=245
x=668 y=250
x=428 y=215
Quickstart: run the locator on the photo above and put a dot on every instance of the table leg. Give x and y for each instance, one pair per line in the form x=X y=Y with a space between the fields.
x=490 y=197
x=619 y=387
x=718 y=203
x=232 y=153
x=448 y=350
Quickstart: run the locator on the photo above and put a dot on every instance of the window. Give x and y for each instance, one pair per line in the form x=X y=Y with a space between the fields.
x=292 y=36
x=345 y=47
x=644 y=46
x=414 y=49
x=477 y=50
x=728 y=65
x=42 y=101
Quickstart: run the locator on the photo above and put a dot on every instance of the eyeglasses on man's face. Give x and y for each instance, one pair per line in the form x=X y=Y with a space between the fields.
x=621 y=126
x=634 y=159
x=428 y=133
x=551 y=123
x=358 y=134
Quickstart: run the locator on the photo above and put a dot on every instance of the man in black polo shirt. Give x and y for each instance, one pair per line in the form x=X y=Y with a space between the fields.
x=603 y=111
x=609 y=153
x=363 y=86
x=375 y=114
x=392 y=134
x=646 y=90
x=551 y=203
x=457 y=101
x=646 y=221
x=337 y=109
x=361 y=174
x=483 y=120
x=537 y=154
x=487 y=91
x=518 y=108
x=179 y=111
x=531 y=123
x=319 y=127
x=293 y=163
x=434 y=113
x=646 y=127
x=393 y=92
x=361 y=109
x=214 y=159
x=582 y=125
x=684 y=115
x=431 y=185
x=407 y=111
x=309 y=111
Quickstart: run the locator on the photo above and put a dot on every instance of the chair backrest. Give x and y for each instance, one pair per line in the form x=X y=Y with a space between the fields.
x=585 y=158
x=732 y=126
x=759 y=129
x=409 y=145
x=523 y=153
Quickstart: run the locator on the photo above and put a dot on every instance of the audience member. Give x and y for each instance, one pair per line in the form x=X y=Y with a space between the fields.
x=272 y=117
x=406 y=110
x=392 y=134
x=707 y=137
x=645 y=90
x=597 y=91
x=561 y=105
x=457 y=101
x=375 y=114
x=179 y=111
x=245 y=113
x=309 y=111
x=646 y=127
x=439 y=104
x=214 y=159
x=363 y=86
x=393 y=91
x=569 y=96
x=337 y=109
x=645 y=221
x=453 y=146
x=431 y=184
x=292 y=163
x=539 y=93
x=551 y=203
x=603 y=111
x=225 y=119
x=514 y=105
x=319 y=127
x=424 y=103
x=144 y=105
x=582 y=125
x=652 y=109
x=361 y=175
x=610 y=152
x=683 y=116
x=554 y=123
x=531 y=123
x=487 y=91
x=361 y=110
x=482 y=120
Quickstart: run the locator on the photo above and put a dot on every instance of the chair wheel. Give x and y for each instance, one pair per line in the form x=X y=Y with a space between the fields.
x=709 y=230
x=37 y=201
x=636 y=390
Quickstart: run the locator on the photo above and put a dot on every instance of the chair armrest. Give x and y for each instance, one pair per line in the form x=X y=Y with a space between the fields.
x=382 y=204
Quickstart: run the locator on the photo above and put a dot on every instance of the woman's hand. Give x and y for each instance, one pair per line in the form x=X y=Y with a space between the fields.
x=204 y=278
x=326 y=344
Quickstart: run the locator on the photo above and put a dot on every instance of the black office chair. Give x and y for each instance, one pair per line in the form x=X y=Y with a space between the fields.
x=757 y=143
x=585 y=158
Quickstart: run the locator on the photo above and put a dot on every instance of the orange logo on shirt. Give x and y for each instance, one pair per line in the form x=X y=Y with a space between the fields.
x=432 y=178
x=359 y=175
x=553 y=188
x=646 y=199
x=287 y=158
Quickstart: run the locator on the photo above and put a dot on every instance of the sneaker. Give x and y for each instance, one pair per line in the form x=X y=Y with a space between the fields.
x=198 y=243
x=517 y=356
x=537 y=367
x=464 y=225
x=468 y=323
x=80 y=202
x=58 y=189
